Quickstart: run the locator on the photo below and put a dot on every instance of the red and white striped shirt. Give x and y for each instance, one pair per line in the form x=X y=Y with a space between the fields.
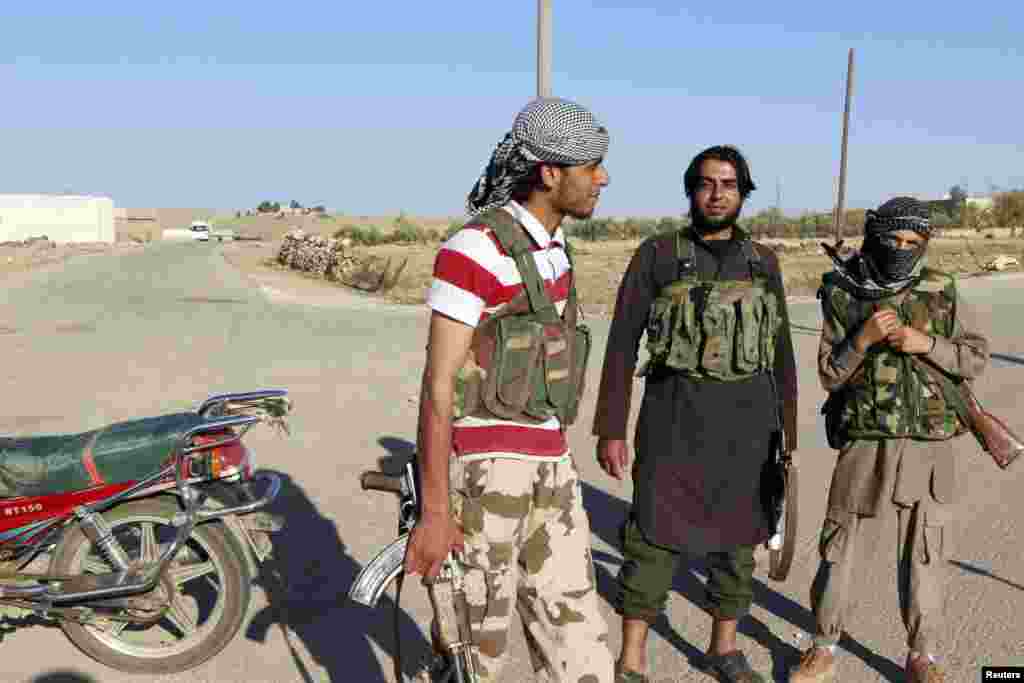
x=473 y=277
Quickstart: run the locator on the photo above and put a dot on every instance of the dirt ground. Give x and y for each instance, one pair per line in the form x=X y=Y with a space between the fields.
x=601 y=265
x=40 y=254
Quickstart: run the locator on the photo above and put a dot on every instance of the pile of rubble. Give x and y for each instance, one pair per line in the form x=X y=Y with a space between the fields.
x=1002 y=262
x=324 y=257
x=335 y=260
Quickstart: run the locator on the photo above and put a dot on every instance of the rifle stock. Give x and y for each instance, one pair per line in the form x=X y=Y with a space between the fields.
x=375 y=577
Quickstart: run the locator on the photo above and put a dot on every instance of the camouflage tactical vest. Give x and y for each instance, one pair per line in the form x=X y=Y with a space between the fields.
x=889 y=396
x=526 y=363
x=717 y=330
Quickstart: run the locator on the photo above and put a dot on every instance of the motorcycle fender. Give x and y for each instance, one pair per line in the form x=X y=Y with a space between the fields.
x=253 y=538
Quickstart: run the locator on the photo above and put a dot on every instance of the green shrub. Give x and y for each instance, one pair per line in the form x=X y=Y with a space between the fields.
x=407 y=231
x=361 y=234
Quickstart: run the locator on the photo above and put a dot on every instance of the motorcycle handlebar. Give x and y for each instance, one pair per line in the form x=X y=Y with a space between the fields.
x=379 y=481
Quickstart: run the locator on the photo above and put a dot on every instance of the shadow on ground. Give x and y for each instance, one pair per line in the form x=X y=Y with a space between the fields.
x=607 y=514
x=972 y=569
x=62 y=676
x=306 y=582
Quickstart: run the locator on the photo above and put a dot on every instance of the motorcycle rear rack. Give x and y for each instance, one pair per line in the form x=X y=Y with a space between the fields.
x=185 y=451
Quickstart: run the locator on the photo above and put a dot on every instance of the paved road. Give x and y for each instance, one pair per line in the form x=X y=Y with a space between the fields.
x=109 y=338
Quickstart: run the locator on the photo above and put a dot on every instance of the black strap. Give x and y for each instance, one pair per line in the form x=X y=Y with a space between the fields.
x=753 y=258
x=686 y=254
x=399 y=580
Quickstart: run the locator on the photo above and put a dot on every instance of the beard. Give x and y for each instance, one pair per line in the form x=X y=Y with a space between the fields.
x=577 y=204
x=704 y=224
x=581 y=213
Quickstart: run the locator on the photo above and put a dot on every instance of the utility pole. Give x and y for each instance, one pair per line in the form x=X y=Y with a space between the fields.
x=840 y=204
x=544 y=48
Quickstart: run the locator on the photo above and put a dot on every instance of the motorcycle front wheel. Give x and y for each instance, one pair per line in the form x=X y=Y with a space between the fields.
x=208 y=582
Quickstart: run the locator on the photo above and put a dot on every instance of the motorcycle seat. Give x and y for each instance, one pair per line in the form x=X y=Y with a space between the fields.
x=56 y=463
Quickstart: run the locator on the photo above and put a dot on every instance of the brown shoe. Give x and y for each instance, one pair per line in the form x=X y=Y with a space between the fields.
x=920 y=669
x=817 y=665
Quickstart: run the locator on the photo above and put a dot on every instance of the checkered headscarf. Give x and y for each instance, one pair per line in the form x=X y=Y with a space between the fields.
x=900 y=213
x=551 y=130
x=859 y=273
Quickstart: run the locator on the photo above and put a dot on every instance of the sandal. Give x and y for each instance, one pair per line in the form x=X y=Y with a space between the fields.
x=732 y=668
x=627 y=676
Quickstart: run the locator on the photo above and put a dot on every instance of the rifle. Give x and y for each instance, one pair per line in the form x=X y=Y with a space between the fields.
x=783 y=500
x=452 y=660
x=784 y=510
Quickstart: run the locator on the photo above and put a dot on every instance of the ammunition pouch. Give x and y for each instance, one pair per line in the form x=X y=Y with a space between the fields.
x=527 y=363
x=723 y=330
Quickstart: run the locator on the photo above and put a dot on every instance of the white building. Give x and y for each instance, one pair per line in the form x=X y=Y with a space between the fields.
x=61 y=218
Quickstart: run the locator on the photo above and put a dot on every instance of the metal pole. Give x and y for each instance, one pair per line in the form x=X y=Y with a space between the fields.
x=839 y=218
x=544 y=48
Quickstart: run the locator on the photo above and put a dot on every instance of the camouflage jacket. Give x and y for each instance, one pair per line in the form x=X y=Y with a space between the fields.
x=889 y=395
x=871 y=471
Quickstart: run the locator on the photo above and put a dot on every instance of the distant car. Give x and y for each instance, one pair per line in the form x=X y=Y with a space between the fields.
x=200 y=231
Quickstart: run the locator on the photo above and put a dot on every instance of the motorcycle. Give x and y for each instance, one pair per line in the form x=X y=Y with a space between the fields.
x=149 y=532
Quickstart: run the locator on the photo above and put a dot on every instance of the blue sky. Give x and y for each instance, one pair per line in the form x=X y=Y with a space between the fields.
x=376 y=107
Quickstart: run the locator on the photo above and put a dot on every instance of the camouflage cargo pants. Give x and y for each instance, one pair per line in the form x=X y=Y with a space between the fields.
x=527 y=546
x=923 y=546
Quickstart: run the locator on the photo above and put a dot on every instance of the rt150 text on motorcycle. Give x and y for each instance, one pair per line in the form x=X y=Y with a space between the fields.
x=151 y=528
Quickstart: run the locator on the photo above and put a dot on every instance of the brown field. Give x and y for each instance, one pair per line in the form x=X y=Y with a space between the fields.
x=39 y=255
x=601 y=264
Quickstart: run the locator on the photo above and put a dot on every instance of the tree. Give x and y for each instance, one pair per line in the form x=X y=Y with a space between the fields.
x=975 y=218
x=294 y=205
x=1008 y=210
x=268 y=207
x=941 y=220
x=957 y=194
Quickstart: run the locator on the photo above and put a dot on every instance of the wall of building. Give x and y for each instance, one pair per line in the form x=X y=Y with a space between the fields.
x=61 y=218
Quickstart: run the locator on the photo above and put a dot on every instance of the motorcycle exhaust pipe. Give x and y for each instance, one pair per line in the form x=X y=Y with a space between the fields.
x=21 y=591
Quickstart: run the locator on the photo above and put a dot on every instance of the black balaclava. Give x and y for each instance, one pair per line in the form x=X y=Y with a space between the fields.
x=892 y=264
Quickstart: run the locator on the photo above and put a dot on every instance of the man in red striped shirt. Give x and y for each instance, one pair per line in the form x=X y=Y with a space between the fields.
x=498 y=487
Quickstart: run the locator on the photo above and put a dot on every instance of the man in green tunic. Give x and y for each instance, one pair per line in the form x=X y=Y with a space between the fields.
x=721 y=373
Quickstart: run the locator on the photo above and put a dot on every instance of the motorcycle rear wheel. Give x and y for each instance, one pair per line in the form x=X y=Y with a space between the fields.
x=211 y=565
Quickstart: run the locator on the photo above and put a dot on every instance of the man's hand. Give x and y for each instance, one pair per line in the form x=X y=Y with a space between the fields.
x=875 y=329
x=429 y=543
x=909 y=340
x=613 y=454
